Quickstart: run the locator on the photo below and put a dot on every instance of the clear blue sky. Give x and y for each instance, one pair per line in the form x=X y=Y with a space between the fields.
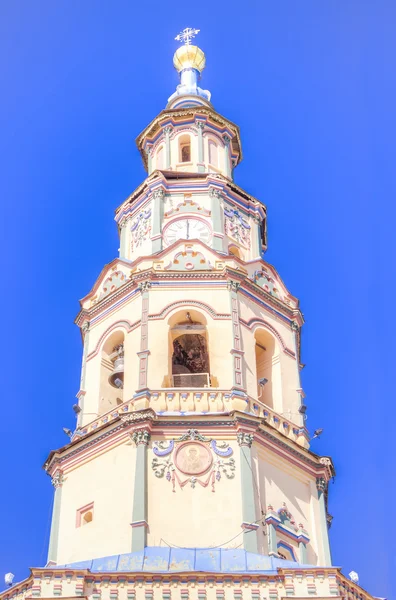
x=312 y=86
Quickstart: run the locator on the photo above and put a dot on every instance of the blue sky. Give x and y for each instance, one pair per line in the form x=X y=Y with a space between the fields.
x=312 y=86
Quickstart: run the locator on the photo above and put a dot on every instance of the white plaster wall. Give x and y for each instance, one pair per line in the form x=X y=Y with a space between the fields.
x=108 y=481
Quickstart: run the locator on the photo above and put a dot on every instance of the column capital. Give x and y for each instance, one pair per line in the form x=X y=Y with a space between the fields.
x=233 y=286
x=245 y=439
x=226 y=139
x=85 y=327
x=200 y=125
x=149 y=150
x=168 y=130
x=321 y=484
x=214 y=193
x=158 y=193
x=57 y=479
x=294 y=326
x=144 y=286
x=141 y=436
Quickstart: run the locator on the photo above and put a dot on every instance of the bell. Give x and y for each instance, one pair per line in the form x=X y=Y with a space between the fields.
x=116 y=379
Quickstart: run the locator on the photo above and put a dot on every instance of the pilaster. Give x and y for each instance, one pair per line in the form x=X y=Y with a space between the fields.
x=144 y=352
x=249 y=523
x=149 y=152
x=200 y=128
x=124 y=239
x=157 y=212
x=227 y=155
x=141 y=438
x=85 y=331
x=168 y=158
x=217 y=219
x=236 y=351
x=57 y=481
x=321 y=486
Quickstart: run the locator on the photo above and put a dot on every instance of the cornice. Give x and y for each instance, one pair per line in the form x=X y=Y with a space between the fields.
x=169 y=114
x=236 y=420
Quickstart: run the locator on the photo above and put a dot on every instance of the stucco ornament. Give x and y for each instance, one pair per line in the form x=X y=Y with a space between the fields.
x=264 y=280
x=57 y=480
x=245 y=439
x=112 y=283
x=236 y=227
x=195 y=456
x=141 y=436
x=141 y=228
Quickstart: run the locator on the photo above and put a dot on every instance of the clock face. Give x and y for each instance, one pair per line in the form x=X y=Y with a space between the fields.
x=187 y=229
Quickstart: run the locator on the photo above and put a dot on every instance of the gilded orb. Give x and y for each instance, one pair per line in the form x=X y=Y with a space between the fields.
x=189 y=57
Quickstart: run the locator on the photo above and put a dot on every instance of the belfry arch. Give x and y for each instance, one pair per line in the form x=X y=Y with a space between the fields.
x=189 y=362
x=111 y=372
x=268 y=372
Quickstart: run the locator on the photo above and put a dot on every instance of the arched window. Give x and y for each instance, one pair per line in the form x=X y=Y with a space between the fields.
x=184 y=148
x=213 y=154
x=189 y=351
x=266 y=355
x=160 y=158
x=235 y=251
x=112 y=372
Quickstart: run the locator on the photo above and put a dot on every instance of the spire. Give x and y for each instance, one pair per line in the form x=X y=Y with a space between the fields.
x=189 y=61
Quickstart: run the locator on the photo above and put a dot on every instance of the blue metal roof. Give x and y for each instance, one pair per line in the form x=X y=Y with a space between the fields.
x=159 y=559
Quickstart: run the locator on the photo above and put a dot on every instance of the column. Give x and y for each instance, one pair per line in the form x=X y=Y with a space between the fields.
x=249 y=524
x=236 y=351
x=256 y=239
x=321 y=486
x=227 y=141
x=143 y=354
x=139 y=524
x=157 y=212
x=57 y=481
x=200 y=127
x=217 y=219
x=167 y=132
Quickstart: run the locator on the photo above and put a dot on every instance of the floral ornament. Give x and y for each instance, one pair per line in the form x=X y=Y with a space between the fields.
x=166 y=468
x=141 y=228
x=236 y=227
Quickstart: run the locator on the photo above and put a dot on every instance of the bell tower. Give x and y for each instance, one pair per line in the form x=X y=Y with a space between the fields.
x=189 y=473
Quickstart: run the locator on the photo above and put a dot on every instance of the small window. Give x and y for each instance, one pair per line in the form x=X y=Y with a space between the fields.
x=85 y=515
x=213 y=156
x=286 y=552
x=184 y=149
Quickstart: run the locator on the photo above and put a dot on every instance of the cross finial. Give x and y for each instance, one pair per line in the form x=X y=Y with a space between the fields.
x=187 y=35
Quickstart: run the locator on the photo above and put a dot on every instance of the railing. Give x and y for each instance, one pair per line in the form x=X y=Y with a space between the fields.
x=191 y=380
x=202 y=400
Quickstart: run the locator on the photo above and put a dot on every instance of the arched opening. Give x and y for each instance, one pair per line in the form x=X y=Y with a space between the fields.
x=213 y=153
x=112 y=372
x=160 y=158
x=265 y=351
x=184 y=149
x=235 y=251
x=189 y=355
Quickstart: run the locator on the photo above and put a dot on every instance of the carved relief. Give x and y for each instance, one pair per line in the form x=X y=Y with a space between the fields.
x=189 y=260
x=187 y=206
x=195 y=456
x=141 y=228
x=236 y=227
x=264 y=280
